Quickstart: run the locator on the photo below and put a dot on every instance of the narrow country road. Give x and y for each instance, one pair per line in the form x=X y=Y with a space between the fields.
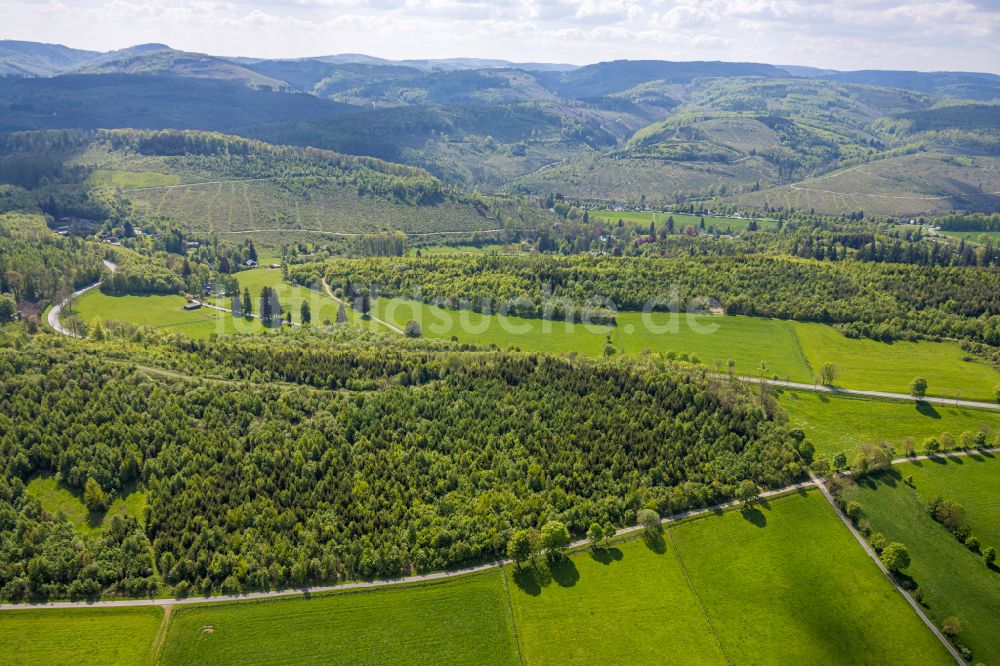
x=329 y=292
x=874 y=394
x=56 y=310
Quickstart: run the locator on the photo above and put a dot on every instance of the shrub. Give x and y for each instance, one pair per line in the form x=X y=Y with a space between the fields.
x=989 y=555
x=932 y=445
x=413 y=329
x=972 y=543
x=650 y=520
x=951 y=626
x=895 y=557
x=94 y=496
x=878 y=542
x=854 y=511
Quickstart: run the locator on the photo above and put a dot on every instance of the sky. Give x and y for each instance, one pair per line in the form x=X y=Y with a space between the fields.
x=926 y=35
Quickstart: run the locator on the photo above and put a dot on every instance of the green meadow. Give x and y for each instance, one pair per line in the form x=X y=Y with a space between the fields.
x=790 y=350
x=106 y=636
x=459 y=621
x=835 y=423
x=167 y=312
x=57 y=498
x=131 y=180
x=881 y=366
x=786 y=581
x=488 y=248
x=981 y=237
x=681 y=220
x=954 y=580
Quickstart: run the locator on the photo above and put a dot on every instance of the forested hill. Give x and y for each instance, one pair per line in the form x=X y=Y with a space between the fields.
x=664 y=132
x=208 y=183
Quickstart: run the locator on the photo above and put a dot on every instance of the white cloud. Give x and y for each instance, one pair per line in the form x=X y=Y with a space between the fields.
x=846 y=34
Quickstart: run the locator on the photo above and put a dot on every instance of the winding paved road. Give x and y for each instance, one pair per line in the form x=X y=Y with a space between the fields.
x=56 y=310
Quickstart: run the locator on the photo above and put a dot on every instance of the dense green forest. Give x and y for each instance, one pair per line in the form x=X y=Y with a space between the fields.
x=259 y=486
x=884 y=301
x=36 y=264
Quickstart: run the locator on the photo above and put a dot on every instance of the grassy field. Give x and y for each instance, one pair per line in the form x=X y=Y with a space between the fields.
x=58 y=498
x=681 y=220
x=835 y=423
x=167 y=311
x=107 y=636
x=161 y=312
x=785 y=585
x=954 y=580
x=791 y=350
x=973 y=482
x=864 y=363
x=460 y=621
x=747 y=340
x=981 y=237
x=133 y=179
x=489 y=248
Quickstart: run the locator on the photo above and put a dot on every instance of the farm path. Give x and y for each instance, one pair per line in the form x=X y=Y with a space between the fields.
x=873 y=394
x=329 y=292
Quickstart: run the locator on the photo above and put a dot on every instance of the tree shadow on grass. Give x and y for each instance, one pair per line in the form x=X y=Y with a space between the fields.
x=606 y=555
x=524 y=578
x=927 y=409
x=890 y=478
x=564 y=572
x=905 y=581
x=754 y=516
x=655 y=541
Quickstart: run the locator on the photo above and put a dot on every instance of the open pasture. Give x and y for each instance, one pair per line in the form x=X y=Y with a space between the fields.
x=786 y=580
x=107 y=636
x=954 y=581
x=835 y=423
x=459 y=621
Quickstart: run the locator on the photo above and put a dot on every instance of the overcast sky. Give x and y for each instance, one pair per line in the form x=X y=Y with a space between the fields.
x=842 y=34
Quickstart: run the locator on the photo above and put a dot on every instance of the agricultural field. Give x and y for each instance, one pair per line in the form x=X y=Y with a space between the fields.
x=835 y=423
x=57 y=498
x=459 y=621
x=681 y=596
x=107 y=636
x=681 y=220
x=779 y=594
x=745 y=339
x=789 y=350
x=954 y=580
x=880 y=366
